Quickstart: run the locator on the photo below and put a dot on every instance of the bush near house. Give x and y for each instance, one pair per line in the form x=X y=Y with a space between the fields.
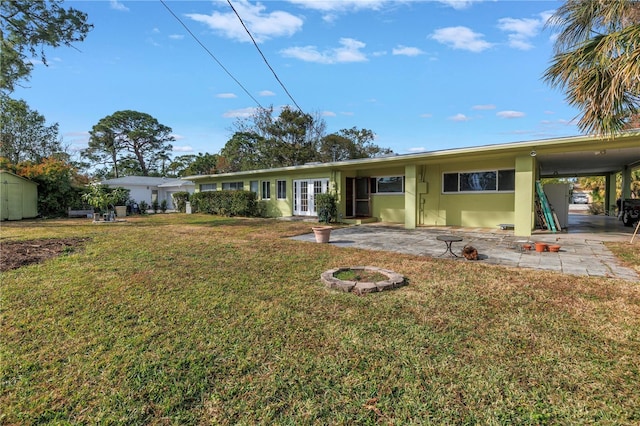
x=327 y=207
x=226 y=203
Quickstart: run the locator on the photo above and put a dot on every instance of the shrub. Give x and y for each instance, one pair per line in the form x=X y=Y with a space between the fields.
x=144 y=206
x=155 y=206
x=327 y=207
x=163 y=206
x=180 y=200
x=226 y=203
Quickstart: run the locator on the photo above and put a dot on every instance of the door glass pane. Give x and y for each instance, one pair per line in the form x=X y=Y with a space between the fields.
x=304 y=196
x=362 y=208
x=362 y=188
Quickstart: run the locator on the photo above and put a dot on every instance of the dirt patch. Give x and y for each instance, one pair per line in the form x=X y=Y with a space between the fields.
x=14 y=254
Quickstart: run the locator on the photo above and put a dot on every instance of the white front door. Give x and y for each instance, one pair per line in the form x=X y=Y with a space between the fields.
x=304 y=195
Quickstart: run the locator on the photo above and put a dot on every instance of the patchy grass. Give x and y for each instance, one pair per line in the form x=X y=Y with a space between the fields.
x=359 y=275
x=628 y=253
x=190 y=319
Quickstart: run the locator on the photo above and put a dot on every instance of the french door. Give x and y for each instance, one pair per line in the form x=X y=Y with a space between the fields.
x=304 y=195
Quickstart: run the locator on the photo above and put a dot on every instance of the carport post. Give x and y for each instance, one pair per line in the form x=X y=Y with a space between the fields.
x=610 y=193
x=524 y=195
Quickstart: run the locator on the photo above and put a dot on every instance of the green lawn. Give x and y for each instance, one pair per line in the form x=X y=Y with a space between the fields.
x=191 y=319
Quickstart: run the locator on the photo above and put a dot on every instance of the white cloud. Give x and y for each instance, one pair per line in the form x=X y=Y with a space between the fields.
x=266 y=93
x=116 y=5
x=226 y=95
x=522 y=30
x=185 y=148
x=459 y=117
x=426 y=115
x=328 y=114
x=483 y=107
x=340 y=6
x=176 y=36
x=240 y=113
x=407 y=51
x=417 y=149
x=348 y=52
x=510 y=114
x=459 y=4
x=461 y=38
x=263 y=26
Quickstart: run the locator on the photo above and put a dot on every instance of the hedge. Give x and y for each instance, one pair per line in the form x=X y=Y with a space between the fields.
x=225 y=203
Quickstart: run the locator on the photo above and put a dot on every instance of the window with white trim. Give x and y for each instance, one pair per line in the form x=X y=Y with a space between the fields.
x=387 y=185
x=266 y=190
x=282 y=189
x=204 y=187
x=232 y=186
x=479 y=181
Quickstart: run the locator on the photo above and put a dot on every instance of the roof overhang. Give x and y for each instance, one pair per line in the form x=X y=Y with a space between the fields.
x=568 y=157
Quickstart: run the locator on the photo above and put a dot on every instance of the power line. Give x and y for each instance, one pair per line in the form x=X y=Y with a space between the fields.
x=212 y=55
x=263 y=57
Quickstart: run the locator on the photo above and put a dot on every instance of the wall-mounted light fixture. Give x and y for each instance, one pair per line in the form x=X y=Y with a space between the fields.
x=533 y=153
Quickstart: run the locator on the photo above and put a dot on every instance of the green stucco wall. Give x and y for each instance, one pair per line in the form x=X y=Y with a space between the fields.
x=388 y=208
x=485 y=210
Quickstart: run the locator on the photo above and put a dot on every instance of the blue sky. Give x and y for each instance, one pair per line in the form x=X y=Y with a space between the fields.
x=422 y=75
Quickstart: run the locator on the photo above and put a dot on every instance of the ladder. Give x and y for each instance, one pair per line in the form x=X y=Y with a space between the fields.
x=546 y=208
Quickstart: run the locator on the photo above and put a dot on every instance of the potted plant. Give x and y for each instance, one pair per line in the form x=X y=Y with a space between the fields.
x=327 y=208
x=103 y=199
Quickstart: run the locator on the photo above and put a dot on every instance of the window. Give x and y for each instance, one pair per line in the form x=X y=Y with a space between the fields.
x=506 y=180
x=387 y=185
x=484 y=181
x=266 y=190
x=233 y=186
x=208 y=187
x=282 y=189
x=253 y=186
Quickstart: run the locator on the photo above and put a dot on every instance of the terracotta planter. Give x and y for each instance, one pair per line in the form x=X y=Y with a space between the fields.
x=526 y=247
x=322 y=233
x=554 y=248
x=540 y=247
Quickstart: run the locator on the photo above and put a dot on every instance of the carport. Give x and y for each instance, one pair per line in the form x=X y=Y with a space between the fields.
x=602 y=157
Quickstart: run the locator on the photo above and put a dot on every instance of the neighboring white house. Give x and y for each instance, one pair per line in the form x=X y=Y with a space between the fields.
x=145 y=188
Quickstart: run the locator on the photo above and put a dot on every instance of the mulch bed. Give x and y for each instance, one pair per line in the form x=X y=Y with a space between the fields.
x=14 y=254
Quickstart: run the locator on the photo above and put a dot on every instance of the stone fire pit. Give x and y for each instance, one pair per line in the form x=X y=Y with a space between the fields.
x=393 y=280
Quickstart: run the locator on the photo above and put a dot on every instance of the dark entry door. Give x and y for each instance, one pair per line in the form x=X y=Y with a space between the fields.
x=363 y=200
x=358 y=201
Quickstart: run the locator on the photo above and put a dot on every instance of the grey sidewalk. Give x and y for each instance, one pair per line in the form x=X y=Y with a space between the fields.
x=578 y=255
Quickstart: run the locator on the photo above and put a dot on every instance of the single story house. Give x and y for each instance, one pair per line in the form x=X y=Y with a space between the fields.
x=483 y=186
x=18 y=197
x=148 y=189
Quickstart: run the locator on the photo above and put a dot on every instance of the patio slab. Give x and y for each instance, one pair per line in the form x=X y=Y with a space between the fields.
x=579 y=255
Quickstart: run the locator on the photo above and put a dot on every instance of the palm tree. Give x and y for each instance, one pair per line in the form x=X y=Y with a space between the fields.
x=597 y=61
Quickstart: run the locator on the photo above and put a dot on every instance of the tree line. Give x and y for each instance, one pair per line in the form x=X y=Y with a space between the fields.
x=134 y=143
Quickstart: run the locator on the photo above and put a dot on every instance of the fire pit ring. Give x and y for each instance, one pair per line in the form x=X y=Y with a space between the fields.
x=394 y=280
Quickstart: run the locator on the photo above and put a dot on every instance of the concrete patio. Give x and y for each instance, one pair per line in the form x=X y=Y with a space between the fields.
x=582 y=252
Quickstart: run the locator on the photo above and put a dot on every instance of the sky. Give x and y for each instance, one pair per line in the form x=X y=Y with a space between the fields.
x=422 y=75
